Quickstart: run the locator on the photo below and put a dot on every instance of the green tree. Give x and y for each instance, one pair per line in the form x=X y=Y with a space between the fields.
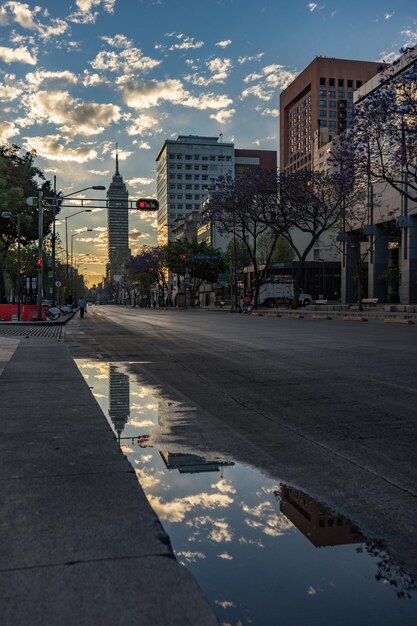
x=199 y=270
x=19 y=178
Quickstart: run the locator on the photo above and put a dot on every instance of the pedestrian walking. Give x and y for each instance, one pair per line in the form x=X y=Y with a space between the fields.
x=82 y=306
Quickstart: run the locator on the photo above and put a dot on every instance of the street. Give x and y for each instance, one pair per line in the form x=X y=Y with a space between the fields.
x=326 y=406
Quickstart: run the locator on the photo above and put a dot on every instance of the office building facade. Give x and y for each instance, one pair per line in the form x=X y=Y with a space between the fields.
x=186 y=168
x=317 y=106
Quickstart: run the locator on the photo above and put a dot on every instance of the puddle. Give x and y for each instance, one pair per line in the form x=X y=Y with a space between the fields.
x=263 y=552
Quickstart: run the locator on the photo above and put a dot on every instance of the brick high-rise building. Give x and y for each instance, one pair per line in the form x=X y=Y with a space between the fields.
x=317 y=106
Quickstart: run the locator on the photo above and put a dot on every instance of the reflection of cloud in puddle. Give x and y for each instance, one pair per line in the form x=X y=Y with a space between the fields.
x=142 y=423
x=225 y=604
x=224 y=487
x=220 y=529
x=189 y=557
x=147 y=480
x=126 y=449
x=225 y=556
x=251 y=542
x=273 y=525
x=175 y=510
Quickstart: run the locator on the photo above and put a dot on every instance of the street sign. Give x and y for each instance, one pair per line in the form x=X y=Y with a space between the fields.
x=206 y=257
x=147 y=204
x=223 y=278
x=58 y=283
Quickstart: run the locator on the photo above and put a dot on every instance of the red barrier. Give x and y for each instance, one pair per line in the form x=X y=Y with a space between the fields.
x=28 y=312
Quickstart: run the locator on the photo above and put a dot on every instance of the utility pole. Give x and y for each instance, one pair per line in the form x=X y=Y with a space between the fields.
x=54 y=247
x=40 y=254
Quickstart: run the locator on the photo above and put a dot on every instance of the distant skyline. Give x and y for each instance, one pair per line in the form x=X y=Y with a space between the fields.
x=77 y=77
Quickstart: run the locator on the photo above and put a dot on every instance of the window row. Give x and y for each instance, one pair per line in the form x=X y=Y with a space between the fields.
x=332 y=94
x=197 y=157
x=332 y=104
x=340 y=82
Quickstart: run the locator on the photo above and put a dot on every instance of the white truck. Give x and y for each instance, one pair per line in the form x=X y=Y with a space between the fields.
x=280 y=291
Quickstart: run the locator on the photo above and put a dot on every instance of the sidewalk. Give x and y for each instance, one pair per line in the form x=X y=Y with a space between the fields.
x=79 y=543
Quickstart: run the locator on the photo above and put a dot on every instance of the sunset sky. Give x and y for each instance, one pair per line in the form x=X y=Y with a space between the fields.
x=79 y=76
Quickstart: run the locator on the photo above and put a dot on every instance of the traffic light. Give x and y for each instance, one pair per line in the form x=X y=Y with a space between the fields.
x=38 y=264
x=185 y=257
x=147 y=204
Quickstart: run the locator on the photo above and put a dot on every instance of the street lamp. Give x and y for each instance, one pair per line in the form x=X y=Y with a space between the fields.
x=86 y=230
x=9 y=215
x=322 y=261
x=96 y=188
x=66 y=238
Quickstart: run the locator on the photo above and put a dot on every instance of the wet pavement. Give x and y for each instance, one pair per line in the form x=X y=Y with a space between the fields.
x=262 y=551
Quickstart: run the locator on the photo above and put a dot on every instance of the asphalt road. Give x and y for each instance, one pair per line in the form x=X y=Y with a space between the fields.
x=327 y=406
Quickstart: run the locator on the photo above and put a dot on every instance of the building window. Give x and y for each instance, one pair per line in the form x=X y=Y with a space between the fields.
x=188 y=186
x=188 y=167
x=179 y=196
x=179 y=166
x=322 y=123
x=340 y=82
x=322 y=92
x=188 y=157
x=188 y=196
x=358 y=84
x=204 y=167
x=332 y=104
x=323 y=103
x=196 y=177
x=172 y=156
x=322 y=80
x=350 y=95
x=323 y=113
x=197 y=167
x=179 y=186
x=179 y=206
x=350 y=84
x=179 y=156
x=188 y=177
x=349 y=105
x=332 y=94
x=212 y=158
x=196 y=197
x=179 y=176
x=331 y=82
x=340 y=94
x=332 y=124
x=332 y=113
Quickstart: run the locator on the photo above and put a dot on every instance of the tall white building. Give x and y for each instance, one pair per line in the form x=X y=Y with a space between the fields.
x=186 y=168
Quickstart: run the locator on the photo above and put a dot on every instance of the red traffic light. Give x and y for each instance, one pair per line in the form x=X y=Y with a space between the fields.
x=147 y=204
x=39 y=262
x=184 y=257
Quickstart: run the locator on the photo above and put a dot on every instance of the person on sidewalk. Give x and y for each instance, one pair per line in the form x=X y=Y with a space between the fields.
x=82 y=305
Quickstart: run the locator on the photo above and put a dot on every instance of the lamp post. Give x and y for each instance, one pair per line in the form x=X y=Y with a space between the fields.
x=68 y=195
x=9 y=215
x=86 y=230
x=322 y=261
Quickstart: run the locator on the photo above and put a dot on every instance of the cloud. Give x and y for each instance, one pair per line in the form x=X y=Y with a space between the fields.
x=224 y=44
x=7 y=130
x=223 y=116
x=388 y=16
x=144 y=124
x=85 y=14
x=22 y=15
x=127 y=62
x=18 y=55
x=312 y=6
x=272 y=77
x=99 y=172
x=73 y=116
x=246 y=59
x=220 y=69
x=56 y=79
x=140 y=181
x=142 y=145
x=52 y=147
x=187 y=43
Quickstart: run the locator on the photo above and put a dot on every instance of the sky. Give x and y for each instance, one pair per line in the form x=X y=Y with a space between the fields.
x=77 y=77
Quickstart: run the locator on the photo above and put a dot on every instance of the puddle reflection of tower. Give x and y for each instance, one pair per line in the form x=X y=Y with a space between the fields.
x=119 y=394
